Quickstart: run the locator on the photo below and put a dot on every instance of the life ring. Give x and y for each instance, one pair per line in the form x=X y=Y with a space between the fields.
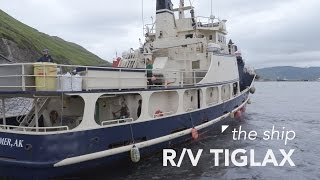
x=194 y=134
x=158 y=113
x=54 y=117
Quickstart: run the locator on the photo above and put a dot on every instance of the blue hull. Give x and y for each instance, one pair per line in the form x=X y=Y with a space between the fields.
x=37 y=160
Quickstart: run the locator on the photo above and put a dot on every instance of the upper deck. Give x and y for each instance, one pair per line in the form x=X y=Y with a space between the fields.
x=33 y=78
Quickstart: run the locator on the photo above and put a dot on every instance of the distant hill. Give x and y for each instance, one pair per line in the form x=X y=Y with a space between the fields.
x=289 y=73
x=21 y=43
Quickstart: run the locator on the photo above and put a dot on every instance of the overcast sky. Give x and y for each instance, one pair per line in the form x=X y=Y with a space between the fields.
x=269 y=33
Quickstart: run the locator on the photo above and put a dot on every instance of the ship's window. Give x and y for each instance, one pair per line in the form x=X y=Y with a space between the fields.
x=63 y=112
x=235 y=89
x=163 y=103
x=196 y=64
x=117 y=109
x=192 y=99
x=212 y=96
x=225 y=92
x=189 y=36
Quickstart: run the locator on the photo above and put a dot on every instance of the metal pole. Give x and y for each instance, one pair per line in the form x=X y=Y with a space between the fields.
x=120 y=85
x=87 y=76
x=4 y=111
x=181 y=10
x=142 y=9
x=36 y=113
x=23 y=79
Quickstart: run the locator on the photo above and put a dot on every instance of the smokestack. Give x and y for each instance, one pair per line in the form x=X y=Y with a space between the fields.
x=164 y=4
x=165 y=20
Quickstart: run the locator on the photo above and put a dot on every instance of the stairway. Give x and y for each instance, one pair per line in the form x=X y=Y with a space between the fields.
x=30 y=119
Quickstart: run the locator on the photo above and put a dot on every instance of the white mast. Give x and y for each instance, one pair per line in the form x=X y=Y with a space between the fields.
x=212 y=17
x=181 y=9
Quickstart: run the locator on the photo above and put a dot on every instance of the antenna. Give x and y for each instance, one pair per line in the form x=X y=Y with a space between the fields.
x=191 y=3
x=212 y=17
x=181 y=10
x=142 y=13
x=211 y=9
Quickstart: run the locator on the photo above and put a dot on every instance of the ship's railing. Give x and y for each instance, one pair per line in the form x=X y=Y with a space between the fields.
x=190 y=109
x=34 y=129
x=117 y=121
x=89 y=78
x=150 y=28
x=207 y=22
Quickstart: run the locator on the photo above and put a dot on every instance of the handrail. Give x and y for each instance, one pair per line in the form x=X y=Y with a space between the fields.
x=210 y=22
x=211 y=104
x=117 y=121
x=189 y=109
x=169 y=78
x=37 y=129
x=149 y=28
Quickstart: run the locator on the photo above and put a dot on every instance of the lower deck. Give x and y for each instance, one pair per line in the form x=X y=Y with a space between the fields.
x=49 y=112
x=68 y=151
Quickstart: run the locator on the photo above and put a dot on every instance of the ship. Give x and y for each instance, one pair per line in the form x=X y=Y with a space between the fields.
x=184 y=80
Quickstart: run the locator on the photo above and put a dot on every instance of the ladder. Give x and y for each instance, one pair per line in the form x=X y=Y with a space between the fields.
x=26 y=108
x=30 y=119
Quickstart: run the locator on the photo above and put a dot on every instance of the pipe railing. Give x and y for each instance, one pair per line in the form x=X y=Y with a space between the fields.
x=117 y=121
x=168 y=78
x=35 y=129
x=150 y=28
x=202 y=21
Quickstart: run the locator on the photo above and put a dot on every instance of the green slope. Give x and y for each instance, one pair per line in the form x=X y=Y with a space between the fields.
x=29 y=38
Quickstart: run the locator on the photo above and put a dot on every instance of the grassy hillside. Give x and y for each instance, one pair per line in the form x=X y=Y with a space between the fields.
x=30 y=39
x=289 y=73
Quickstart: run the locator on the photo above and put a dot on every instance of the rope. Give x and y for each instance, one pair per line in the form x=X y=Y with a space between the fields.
x=191 y=120
x=133 y=141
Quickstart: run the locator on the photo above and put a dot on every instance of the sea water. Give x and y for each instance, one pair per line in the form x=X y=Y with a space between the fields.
x=292 y=106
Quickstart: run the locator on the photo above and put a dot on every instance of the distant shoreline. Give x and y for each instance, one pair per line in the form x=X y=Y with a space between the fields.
x=286 y=81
